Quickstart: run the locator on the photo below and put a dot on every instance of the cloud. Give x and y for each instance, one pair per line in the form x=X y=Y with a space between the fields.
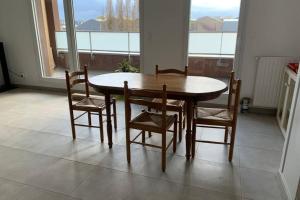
x=216 y=4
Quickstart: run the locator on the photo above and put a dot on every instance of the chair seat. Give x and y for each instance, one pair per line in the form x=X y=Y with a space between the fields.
x=89 y=104
x=218 y=115
x=170 y=102
x=80 y=96
x=151 y=121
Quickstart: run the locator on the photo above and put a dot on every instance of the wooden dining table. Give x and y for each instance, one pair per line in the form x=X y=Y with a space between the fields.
x=188 y=88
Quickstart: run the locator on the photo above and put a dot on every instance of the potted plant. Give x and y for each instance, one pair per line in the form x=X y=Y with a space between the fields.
x=125 y=66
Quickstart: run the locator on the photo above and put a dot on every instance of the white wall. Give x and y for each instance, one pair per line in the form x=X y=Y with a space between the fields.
x=291 y=166
x=271 y=28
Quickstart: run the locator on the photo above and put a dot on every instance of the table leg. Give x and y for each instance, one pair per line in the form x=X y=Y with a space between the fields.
x=108 y=118
x=189 y=118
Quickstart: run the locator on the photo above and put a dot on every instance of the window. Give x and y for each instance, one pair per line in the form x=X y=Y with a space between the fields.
x=107 y=33
x=212 y=37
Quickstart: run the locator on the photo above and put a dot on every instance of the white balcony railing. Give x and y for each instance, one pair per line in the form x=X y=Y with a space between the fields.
x=199 y=43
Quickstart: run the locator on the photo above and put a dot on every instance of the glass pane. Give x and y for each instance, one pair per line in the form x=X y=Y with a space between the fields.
x=134 y=42
x=205 y=43
x=107 y=32
x=50 y=18
x=83 y=41
x=110 y=42
x=228 y=43
x=212 y=37
x=61 y=40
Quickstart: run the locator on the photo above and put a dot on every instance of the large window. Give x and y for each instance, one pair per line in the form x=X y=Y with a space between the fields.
x=106 y=32
x=212 y=37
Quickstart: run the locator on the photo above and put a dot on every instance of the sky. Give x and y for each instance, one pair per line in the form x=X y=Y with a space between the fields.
x=226 y=8
x=90 y=9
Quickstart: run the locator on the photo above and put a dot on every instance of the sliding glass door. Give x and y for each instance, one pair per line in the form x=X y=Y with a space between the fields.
x=213 y=37
x=105 y=35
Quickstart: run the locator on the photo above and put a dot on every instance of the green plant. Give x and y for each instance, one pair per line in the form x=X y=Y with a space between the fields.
x=125 y=66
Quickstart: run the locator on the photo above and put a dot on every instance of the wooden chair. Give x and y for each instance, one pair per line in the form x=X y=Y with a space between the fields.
x=148 y=121
x=174 y=105
x=224 y=118
x=89 y=104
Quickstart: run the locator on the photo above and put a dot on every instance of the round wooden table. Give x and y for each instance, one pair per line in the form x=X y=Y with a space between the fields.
x=188 y=88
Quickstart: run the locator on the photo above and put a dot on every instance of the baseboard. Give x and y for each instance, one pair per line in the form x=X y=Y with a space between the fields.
x=265 y=111
x=285 y=187
x=40 y=88
x=50 y=89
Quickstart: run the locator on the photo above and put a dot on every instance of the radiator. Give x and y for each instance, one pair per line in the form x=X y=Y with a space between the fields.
x=268 y=80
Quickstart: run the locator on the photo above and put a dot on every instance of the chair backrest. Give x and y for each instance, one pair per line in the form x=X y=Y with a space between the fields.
x=234 y=96
x=139 y=97
x=75 y=78
x=232 y=76
x=171 y=71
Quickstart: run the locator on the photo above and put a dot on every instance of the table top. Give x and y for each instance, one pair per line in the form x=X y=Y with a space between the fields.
x=177 y=86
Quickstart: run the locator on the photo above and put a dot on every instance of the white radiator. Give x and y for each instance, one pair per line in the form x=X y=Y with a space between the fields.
x=268 y=80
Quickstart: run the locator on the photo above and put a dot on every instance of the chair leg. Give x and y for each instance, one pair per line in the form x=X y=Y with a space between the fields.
x=180 y=125
x=232 y=140
x=175 y=135
x=149 y=133
x=193 y=139
x=115 y=113
x=184 y=114
x=143 y=138
x=72 y=124
x=128 y=144
x=90 y=118
x=163 y=152
x=101 y=126
x=226 y=134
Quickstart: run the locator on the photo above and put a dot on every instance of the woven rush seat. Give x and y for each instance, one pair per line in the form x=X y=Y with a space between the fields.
x=90 y=103
x=216 y=114
x=151 y=120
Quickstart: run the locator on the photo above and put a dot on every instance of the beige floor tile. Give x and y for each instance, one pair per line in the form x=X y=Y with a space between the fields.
x=260 y=185
x=262 y=159
x=61 y=176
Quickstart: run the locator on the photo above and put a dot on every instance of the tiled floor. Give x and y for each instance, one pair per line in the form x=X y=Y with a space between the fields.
x=39 y=159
